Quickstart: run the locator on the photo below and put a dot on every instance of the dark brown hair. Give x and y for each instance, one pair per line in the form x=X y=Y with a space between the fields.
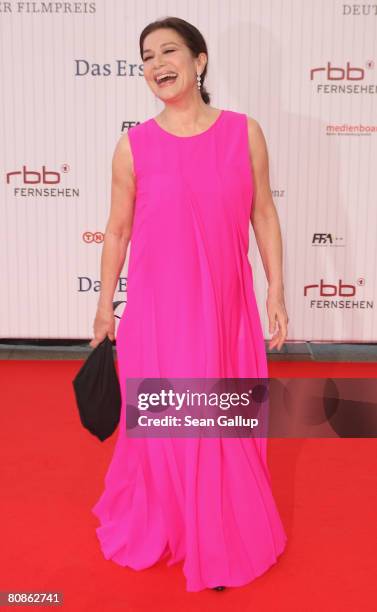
x=192 y=37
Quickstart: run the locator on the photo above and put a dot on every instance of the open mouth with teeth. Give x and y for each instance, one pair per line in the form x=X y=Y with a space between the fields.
x=166 y=79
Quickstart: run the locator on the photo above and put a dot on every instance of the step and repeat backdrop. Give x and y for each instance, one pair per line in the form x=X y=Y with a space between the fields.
x=72 y=82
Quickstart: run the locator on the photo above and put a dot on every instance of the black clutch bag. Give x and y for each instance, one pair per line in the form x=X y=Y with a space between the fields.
x=97 y=391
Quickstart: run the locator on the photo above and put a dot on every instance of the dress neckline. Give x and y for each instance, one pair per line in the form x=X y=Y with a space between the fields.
x=211 y=127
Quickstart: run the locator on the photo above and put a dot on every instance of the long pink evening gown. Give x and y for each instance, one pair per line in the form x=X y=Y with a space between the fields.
x=191 y=312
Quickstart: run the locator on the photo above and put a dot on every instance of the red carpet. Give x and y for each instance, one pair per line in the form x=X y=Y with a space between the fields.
x=52 y=474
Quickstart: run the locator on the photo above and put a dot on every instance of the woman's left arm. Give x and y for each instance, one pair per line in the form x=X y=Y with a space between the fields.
x=266 y=226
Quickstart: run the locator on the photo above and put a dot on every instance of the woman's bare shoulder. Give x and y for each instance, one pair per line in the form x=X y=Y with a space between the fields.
x=122 y=157
x=257 y=145
x=257 y=138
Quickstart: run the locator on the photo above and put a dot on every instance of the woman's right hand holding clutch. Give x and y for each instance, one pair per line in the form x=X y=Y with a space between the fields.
x=104 y=325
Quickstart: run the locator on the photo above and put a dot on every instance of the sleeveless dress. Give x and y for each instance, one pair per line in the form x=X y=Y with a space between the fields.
x=191 y=312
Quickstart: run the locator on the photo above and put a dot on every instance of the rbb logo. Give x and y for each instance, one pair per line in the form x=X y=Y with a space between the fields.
x=334 y=73
x=322 y=238
x=32 y=177
x=326 y=290
x=93 y=237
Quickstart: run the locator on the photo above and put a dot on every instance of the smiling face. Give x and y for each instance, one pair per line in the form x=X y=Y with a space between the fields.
x=165 y=52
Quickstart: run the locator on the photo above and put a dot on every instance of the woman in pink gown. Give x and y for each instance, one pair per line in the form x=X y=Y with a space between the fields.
x=191 y=312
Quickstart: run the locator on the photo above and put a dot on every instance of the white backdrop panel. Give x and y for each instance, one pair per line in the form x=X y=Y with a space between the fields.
x=71 y=80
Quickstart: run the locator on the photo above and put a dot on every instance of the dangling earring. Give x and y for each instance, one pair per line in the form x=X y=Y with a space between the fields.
x=198 y=80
